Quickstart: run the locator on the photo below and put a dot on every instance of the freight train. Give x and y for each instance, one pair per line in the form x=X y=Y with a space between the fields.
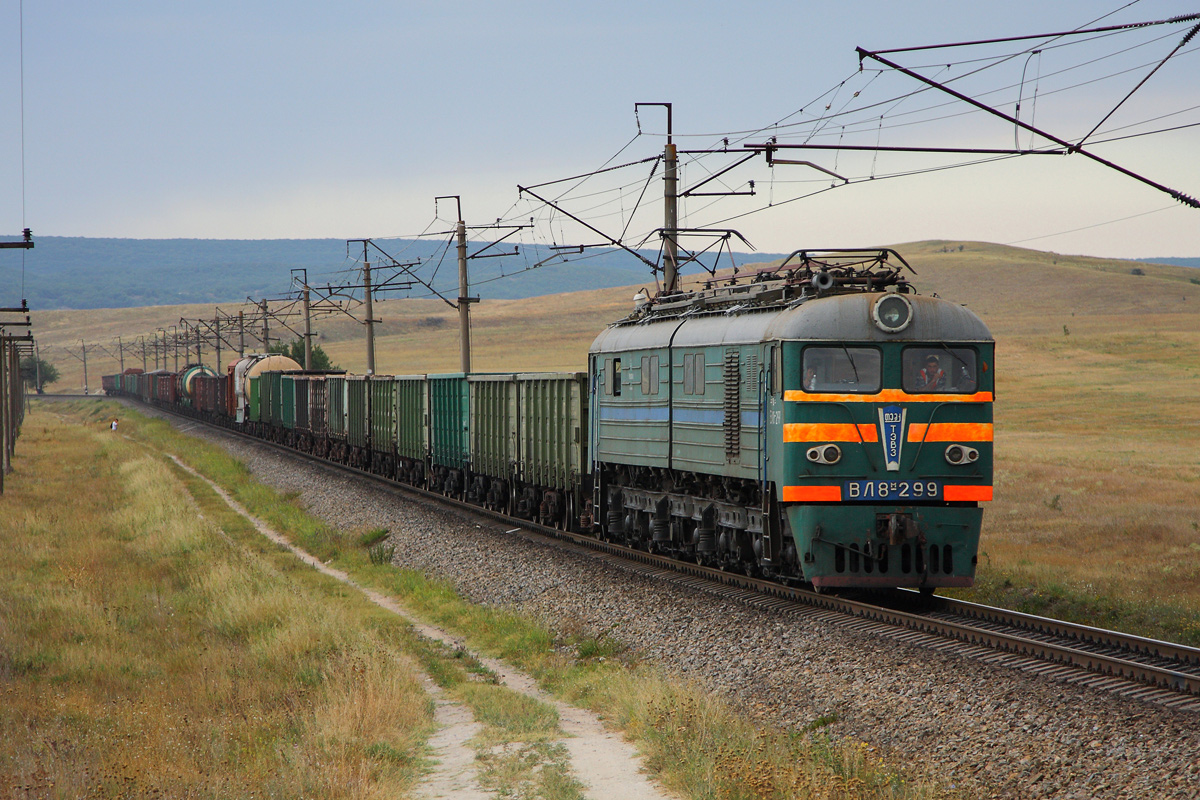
x=817 y=422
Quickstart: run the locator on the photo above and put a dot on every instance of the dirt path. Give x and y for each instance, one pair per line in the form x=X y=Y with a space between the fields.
x=605 y=764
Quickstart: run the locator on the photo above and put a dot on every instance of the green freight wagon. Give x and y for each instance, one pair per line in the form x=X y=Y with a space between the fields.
x=266 y=398
x=412 y=428
x=284 y=401
x=316 y=405
x=358 y=420
x=382 y=389
x=335 y=419
x=255 y=382
x=278 y=412
x=450 y=453
x=300 y=398
x=554 y=456
x=493 y=438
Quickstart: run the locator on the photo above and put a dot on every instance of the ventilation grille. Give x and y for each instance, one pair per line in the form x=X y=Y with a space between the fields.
x=733 y=407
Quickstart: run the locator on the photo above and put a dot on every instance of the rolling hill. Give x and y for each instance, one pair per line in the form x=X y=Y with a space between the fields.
x=80 y=273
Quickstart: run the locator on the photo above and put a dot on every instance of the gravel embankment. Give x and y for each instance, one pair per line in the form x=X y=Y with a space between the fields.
x=994 y=732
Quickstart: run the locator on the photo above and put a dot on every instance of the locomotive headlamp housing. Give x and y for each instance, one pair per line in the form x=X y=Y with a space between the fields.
x=892 y=313
x=825 y=454
x=957 y=454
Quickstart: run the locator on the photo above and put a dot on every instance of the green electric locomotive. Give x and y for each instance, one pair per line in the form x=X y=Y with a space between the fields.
x=818 y=422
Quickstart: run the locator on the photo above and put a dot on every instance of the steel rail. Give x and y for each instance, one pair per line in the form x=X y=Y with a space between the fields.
x=1097 y=637
x=1039 y=638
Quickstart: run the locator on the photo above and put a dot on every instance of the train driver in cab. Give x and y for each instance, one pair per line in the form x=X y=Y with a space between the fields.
x=931 y=376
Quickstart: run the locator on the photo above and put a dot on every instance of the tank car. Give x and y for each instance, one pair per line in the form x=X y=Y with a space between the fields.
x=820 y=422
x=185 y=382
x=243 y=374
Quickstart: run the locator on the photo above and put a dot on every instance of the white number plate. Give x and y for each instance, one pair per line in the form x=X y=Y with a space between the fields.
x=892 y=491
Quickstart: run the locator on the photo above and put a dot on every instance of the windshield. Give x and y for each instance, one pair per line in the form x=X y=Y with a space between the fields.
x=842 y=369
x=937 y=368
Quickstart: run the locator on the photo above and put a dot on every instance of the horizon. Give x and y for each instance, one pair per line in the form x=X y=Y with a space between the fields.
x=37 y=237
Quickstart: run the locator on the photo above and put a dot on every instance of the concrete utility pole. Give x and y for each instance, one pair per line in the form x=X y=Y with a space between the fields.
x=241 y=333
x=83 y=347
x=5 y=422
x=464 y=302
x=670 y=232
x=670 y=213
x=82 y=356
x=217 y=334
x=464 y=286
x=142 y=342
x=175 y=343
x=370 y=315
x=308 y=328
x=121 y=353
x=266 y=337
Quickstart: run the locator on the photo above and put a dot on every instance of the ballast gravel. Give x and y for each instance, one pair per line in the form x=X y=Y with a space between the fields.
x=984 y=730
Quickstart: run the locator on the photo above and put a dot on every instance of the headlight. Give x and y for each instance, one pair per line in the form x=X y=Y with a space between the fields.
x=892 y=313
x=825 y=454
x=961 y=454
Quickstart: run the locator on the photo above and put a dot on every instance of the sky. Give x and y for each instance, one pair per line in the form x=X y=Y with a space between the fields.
x=312 y=119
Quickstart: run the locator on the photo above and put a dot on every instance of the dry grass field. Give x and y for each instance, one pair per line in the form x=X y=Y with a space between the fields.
x=1097 y=510
x=154 y=645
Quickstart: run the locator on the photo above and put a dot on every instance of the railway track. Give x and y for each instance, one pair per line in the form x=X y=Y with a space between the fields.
x=1151 y=670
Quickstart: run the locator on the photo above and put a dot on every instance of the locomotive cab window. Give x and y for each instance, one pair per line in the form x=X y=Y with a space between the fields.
x=693 y=373
x=649 y=375
x=934 y=370
x=842 y=369
x=615 y=389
